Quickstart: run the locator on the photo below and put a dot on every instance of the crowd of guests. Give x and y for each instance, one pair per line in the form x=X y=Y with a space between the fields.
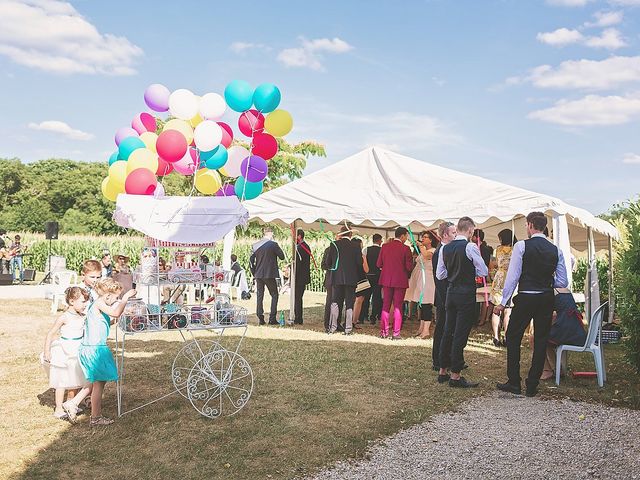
x=451 y=270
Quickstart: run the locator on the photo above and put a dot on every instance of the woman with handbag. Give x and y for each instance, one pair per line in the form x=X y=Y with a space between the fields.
x=425 y=287
x=363 y=288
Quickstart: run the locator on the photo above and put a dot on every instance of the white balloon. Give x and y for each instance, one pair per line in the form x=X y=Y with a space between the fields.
x=159 y=191
x=236 y=155
x=183 y=104
x=207 y=135
x=212 y=106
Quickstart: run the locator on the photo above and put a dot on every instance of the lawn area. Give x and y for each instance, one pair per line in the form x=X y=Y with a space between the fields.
x=316 y=399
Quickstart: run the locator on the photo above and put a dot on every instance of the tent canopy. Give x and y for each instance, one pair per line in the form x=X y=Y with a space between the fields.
x=188 y=220
x=377 y=189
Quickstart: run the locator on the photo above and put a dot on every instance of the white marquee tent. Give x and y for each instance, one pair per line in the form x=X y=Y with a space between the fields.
x=377 y=190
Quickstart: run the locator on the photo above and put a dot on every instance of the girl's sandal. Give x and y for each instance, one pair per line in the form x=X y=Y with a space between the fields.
x=100 y=421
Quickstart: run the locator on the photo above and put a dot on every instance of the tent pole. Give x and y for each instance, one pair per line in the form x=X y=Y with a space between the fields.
x=292 y=272
x=611 y=305
x=588 y=286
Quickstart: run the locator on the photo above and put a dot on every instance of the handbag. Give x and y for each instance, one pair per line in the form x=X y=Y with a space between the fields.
x=362 y=285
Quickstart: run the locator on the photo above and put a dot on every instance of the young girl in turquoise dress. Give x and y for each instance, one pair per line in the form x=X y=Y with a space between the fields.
x=60 y=356
x=95 y=356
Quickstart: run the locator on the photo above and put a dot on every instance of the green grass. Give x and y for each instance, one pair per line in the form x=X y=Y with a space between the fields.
x=316 y=400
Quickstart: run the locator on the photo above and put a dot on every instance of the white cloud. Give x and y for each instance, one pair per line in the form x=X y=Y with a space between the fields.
x=569 y=3
x=611 y=39
x=606 y=19
x=62 y=128
x=560 y=37
x=592 y=110
x=242 y=47
x=625 y=3
x=310 y=53
x=632 y=158
x=51 y=35
x=584 y=74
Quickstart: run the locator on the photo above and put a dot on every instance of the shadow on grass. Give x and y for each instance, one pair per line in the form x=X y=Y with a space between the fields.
x=313 y=403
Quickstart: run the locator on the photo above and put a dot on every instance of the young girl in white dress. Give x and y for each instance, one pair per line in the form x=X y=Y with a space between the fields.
x=60 y=356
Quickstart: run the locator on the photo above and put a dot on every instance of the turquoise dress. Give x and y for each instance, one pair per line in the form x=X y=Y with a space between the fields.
x=95 y=356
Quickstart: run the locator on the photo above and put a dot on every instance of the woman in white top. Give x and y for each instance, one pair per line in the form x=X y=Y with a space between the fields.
x=424 y=288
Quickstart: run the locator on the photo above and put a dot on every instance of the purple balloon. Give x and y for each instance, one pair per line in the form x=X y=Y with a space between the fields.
x=125 y=132
x=227 y=191
x=156 y=97
x=254 y=168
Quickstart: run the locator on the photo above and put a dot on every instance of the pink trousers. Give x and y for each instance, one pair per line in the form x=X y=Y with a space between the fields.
x=395 y=295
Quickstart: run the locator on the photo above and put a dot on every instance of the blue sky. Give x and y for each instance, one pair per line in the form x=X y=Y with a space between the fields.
x=540 y=94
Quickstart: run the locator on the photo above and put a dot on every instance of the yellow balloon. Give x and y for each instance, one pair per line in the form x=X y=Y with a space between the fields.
x=142 y=158
x=149 y=139
x=195 y=120
x=181 y=126
x=208 y=181
x=118 y=174
x=109 y=190
x=278 y=123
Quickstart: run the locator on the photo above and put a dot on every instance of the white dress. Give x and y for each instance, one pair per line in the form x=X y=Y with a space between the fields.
x=64 y=369
x=422 y=284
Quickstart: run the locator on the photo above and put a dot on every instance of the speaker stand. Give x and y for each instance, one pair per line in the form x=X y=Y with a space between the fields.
x=47 y=277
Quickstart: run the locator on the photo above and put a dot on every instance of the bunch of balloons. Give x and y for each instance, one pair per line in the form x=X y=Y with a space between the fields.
x=193 y=141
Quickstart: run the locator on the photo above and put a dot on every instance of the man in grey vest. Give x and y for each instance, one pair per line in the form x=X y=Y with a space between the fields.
x=460 y=263
x=536 y=266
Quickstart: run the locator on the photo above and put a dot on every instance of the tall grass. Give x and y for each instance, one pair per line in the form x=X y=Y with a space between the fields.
x=78 y=248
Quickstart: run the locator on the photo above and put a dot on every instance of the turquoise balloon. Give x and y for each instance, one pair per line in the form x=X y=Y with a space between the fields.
x=239 y=95
x=128 y=145
x=218 y=157
x=247 y=190
x=267 y=97
x=113 y=158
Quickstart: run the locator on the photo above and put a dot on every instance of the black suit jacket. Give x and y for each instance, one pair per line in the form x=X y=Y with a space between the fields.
x=349 y=259
x=324 y=264
x=264 y=260
x=373 y=252
x=441 y=285
x=303 y=264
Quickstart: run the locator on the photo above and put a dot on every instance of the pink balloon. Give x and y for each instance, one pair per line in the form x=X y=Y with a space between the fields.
x=264 y=145
x=144 y=122
x=125 y=132
x=251 y=122
x=227 y=134
x=140 y=182
x=186 y=165
x=164 y=167
x=171 y=145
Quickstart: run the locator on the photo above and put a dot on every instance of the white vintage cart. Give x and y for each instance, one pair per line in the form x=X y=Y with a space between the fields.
x=216 y=380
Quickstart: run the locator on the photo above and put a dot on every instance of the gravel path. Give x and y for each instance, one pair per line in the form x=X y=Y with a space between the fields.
x=504 y=436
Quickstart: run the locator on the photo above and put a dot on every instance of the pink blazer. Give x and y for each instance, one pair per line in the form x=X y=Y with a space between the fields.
x=396 y=263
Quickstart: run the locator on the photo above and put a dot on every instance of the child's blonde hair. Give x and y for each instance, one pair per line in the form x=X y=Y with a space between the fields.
x=105 y=286
x=73 y=293
x=91 y=266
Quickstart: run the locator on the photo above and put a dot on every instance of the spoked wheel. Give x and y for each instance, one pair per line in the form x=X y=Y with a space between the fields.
x=186 y=358
x=220 y=383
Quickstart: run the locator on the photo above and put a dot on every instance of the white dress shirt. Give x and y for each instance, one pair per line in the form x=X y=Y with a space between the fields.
x=473 y=254
x=515 y=270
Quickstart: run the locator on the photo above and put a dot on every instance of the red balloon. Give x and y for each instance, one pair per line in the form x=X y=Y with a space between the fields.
x=171 y=145
x=227 y=134
x=164 y=168
x=140 y=182
x=251 y=122
x=264 y=145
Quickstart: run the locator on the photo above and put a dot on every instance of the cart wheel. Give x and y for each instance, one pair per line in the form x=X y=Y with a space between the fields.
x=220 y=383
x=186 y=358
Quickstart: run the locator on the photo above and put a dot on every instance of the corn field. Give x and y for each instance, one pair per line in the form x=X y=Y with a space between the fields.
x=78 y=248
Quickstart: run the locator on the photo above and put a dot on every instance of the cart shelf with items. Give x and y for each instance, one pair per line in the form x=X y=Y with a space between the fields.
x=212 y=375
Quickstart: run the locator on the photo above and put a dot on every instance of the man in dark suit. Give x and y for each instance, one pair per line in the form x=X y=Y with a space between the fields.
x=264 y=267
x=537 y=266
x=375 y=295
x=396 y=263
x=328 y=268
x=303 y=274
x=347 y=260
x=446 y=232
